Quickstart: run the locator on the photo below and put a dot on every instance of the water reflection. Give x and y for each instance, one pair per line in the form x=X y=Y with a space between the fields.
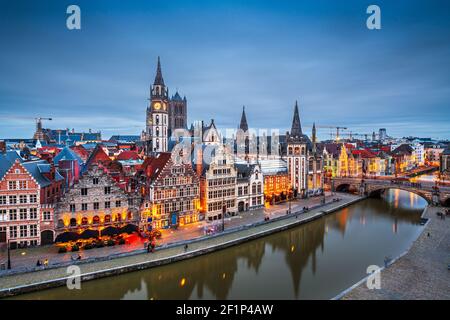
x=314 y=261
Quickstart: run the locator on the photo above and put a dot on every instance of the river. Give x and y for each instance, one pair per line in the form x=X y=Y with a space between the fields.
x=317 y=260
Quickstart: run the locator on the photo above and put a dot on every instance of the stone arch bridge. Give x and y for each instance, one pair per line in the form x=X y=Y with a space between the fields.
x=429 y=191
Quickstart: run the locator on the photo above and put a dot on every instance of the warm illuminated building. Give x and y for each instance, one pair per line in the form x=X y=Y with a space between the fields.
x=170 y=189
x=218 y=181
x=277 y=185
x=94 y=202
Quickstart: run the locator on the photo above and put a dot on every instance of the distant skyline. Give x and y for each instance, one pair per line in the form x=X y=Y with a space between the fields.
x=223 y=55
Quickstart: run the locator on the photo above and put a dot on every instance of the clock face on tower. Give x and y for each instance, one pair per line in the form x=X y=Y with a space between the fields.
x=157 y=106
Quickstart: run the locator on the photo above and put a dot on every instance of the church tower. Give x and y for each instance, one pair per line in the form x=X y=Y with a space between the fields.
x=157 y=115
x=177 y=113
x=297 y=152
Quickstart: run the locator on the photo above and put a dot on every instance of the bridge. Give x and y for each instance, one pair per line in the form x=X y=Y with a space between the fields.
x=436 y=195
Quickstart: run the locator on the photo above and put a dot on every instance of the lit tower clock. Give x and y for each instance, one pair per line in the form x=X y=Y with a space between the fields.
x=157 y=114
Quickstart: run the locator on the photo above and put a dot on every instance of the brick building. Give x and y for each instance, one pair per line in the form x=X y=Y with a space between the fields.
x=28 y=192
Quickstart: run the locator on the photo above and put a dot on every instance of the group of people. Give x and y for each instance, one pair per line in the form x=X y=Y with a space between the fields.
x=39 y=263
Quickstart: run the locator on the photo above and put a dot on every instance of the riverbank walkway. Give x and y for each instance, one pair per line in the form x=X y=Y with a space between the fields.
x=20 y=283
x=420 y=274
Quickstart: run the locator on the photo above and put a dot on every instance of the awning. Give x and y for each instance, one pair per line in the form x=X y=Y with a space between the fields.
x=129 y=228
x=67 y=236
x=110 y=231
x=89 y=233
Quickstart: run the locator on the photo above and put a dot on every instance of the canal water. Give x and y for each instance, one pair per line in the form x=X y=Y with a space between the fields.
x=317 y=260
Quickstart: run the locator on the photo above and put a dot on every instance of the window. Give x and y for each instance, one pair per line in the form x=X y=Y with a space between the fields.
x=22 y=214
x=107 y=204
x=2 y=199
x=22 y=199
x=12 y=214
x=12 y=185
x=47 y=215
x=118 y=203
x=72 y=207
x=33 y=230
x=33 y=213
x=84 y=191
x=84 y=206
x=22 y=184
x=12 y=199
x=23 y=231
x=13 y=232
x=96 y=205
x=130 y=202
x=95 y=181
x=2 y=215
x=33 y=198
x=107 y=190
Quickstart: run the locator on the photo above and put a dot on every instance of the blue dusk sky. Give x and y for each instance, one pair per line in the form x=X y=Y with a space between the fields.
x=223 y=55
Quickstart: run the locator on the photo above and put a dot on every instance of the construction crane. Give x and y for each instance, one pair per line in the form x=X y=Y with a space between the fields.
x=338 y=128
x=39 y=134
x=39 y=122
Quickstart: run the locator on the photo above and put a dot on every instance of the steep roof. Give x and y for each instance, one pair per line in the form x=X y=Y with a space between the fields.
x=177 y=97
x=37 y=170
x=97 y=156
x=153 y=166
x=67 y=154
x=296 y=129
x=243 y=125
x=159 y=78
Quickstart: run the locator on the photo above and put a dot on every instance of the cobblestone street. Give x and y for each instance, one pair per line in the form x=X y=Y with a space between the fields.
x=422 y=273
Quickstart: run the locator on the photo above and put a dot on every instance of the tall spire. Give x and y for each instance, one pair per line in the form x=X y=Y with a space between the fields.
x=159 y=78
x=243 y=126
x=314 y=138
x=296 y=130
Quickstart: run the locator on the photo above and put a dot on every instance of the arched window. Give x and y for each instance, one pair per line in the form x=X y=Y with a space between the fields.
x=96 y=220
x=73 y=222
x=107 y=218
x=84 y=221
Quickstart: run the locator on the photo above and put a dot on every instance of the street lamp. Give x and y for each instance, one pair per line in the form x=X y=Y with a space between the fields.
x=9 y=256
x=224 y=209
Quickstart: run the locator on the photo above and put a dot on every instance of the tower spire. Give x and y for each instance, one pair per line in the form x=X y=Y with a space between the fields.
x=314 y=138
x=296 y=130
x=159 y=78
x=243 y=126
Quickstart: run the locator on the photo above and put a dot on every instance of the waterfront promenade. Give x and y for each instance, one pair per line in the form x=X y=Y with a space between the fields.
x=421 y=273
x=19 y=283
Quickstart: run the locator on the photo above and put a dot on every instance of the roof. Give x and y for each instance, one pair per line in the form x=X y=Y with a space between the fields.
x=244 y=170
x=243 y=125
x=176 y=97
x=67 y=154
x=159 y=78
x=128 y=155
x=38 y=168
x=403 y=149
x=153 y=166
x=6 y=161
x=363 y=153
x=124 y=138
x=296 y=129
x=271 y=167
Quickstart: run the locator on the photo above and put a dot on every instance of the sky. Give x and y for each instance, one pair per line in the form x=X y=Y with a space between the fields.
x=223 y=55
